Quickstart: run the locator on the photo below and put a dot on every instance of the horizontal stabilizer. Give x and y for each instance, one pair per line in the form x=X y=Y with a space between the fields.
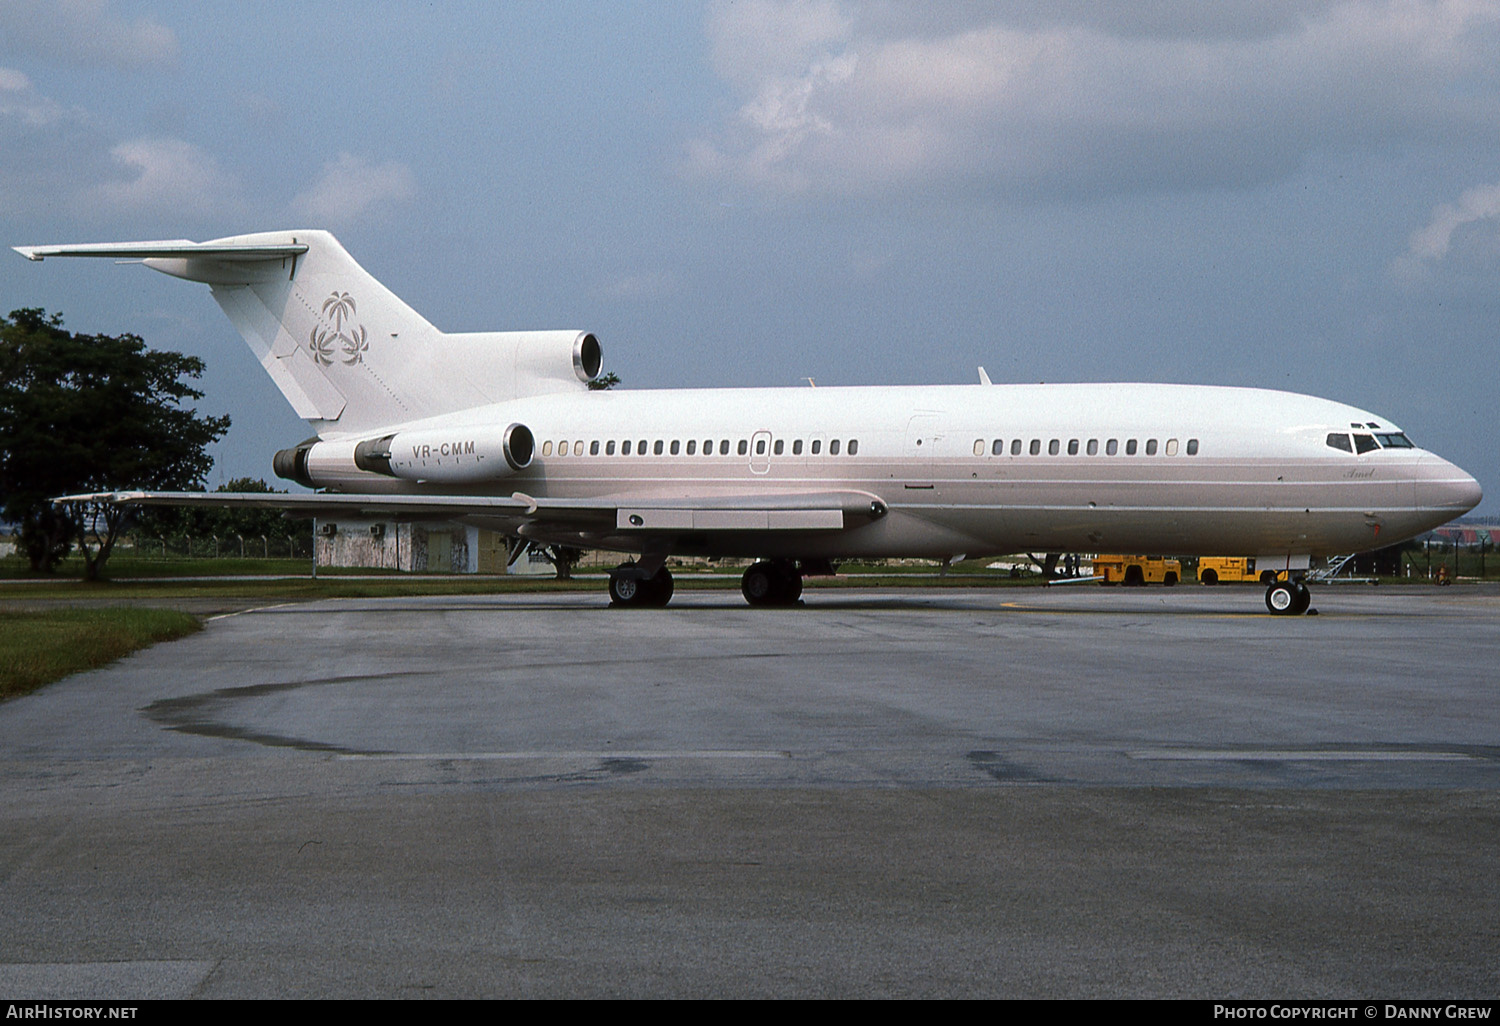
x=168 y=250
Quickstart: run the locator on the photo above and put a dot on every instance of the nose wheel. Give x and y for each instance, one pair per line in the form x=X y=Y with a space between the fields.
x=1288 y=598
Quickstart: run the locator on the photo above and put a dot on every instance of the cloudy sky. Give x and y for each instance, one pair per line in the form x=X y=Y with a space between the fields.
x=1247 y=192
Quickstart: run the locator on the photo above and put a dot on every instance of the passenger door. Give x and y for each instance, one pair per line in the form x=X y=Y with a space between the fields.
x=760 y=452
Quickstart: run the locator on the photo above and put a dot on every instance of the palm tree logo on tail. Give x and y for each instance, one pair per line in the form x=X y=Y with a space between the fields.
x=329 y=339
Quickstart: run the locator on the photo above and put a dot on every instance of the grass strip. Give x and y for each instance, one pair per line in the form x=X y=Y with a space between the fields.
x=38 y=648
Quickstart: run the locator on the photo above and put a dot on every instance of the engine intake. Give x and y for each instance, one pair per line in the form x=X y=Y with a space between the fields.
x=588 y=357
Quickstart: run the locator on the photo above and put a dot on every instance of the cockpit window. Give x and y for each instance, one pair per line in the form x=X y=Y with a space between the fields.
x=1338 y=441
x=1395 y=441
x=1364 y=444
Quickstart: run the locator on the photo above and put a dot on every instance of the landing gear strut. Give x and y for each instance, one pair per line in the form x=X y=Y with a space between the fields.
x=629 y=586
x=772 y=583
x=1288 y=598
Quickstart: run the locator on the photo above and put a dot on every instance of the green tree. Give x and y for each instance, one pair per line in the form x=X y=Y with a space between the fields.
x=563 y=559
x=91 y=413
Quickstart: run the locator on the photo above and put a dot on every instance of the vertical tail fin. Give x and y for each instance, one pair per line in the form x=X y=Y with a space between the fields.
x=334 y=340
x=346 y=352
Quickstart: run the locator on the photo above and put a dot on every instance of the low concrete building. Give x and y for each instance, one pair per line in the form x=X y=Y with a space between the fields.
x=439 y=547
x=436 y=547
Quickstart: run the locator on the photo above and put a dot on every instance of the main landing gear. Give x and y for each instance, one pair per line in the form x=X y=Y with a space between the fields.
x=1288 y=598
x=629 y=585
x=772 y=583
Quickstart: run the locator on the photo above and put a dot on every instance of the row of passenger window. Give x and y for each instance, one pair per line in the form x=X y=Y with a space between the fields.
x=675 y=447
x=1355 y=443
x=1091 y=447
x=1368 y=443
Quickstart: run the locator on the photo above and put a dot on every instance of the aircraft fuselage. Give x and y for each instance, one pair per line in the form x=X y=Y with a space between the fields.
x=963 y=469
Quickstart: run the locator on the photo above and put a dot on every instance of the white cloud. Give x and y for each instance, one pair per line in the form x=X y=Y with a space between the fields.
x=1084 y=98
x=47 y=151
x=1477 y=204
x=349 y=187
x=84 y=32
x=767 y=39
x=781 y=120
x=1429 y=245
x=168 y=176
x=60 y=162
x=21 y=104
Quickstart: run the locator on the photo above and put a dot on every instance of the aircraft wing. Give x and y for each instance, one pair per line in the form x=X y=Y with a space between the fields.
x=319 y=504
x=818 y=511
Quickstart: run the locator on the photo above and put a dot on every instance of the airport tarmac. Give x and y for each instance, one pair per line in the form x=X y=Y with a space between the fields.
x=946 y=792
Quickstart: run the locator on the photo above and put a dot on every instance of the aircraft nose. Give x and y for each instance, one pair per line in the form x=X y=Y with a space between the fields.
x=1467 y=492
x=1449 y=488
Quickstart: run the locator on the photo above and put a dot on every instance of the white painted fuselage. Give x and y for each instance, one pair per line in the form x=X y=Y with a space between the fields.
x=973 y=469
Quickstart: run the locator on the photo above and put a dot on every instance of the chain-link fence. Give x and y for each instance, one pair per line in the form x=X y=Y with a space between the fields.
x=274 y=546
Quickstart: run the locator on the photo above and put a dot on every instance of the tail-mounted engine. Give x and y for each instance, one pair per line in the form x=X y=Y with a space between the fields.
x=449 y=456
x=507 y=365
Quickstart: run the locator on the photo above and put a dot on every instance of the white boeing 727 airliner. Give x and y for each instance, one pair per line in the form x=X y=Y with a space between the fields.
x=500 y=430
